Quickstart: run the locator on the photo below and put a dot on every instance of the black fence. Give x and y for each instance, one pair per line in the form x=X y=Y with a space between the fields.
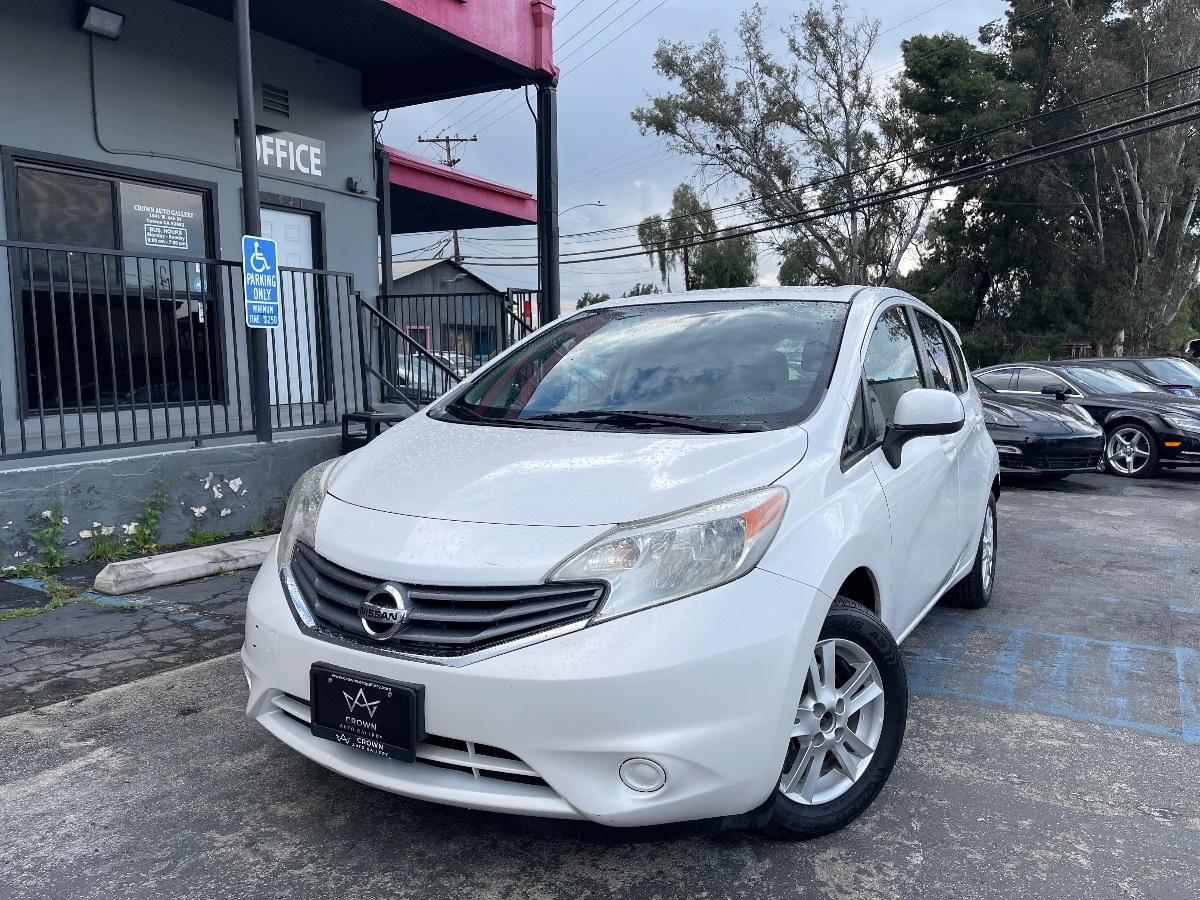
x=112 y=349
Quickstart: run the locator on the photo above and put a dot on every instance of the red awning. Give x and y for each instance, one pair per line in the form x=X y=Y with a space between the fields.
x=427 y=196
x=414 y=51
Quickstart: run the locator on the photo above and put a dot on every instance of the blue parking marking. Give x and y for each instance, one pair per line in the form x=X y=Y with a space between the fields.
x=1091 y=680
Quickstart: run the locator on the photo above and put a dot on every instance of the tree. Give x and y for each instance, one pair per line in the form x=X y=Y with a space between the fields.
x=669 y=241
x=589 y=298
x=728 y=263
x=642 y=290
x=797 y=134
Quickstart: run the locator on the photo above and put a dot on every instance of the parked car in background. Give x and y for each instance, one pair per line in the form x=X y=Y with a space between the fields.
x=1169 y=373
x=640 y=570
x=422 y=378
x=1040 y=437
x=1146 y=428
x=462 y=364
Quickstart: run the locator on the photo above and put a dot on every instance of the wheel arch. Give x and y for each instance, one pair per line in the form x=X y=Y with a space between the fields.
x=861 y=587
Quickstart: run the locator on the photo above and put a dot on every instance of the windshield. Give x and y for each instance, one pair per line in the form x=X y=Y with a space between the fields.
x=1109 y=381
x=1173 y=371
x=742 y=365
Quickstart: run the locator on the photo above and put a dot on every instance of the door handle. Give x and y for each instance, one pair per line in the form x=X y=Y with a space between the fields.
x=950 y=448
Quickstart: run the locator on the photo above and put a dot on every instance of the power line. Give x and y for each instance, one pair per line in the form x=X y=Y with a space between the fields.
x=1001 y=165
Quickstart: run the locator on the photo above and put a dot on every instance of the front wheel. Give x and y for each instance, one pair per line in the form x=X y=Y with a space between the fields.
x=848 y=727
x=1131 y=451
x=975 y=590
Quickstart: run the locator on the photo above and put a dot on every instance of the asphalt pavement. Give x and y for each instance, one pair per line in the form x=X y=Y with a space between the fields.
x=1053 y=751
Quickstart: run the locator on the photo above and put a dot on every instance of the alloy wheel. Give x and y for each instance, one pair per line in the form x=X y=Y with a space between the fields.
x=837 y=726
x=1128 y=450
x=988 y=549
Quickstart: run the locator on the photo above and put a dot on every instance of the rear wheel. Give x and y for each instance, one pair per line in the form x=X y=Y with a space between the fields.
x=975 y=590
x=848 y=728
x=1131 y=451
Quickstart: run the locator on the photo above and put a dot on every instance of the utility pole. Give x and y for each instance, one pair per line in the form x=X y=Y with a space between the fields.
x=449 y=143
x=260 y=390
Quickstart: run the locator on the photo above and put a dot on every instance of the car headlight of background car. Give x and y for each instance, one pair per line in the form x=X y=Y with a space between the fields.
x=999 y=419
x=304 y=502
x=1183 y=423
x=1079 y=412
x=663 y=559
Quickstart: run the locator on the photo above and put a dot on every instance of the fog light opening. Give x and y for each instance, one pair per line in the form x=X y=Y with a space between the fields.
x=643 y=775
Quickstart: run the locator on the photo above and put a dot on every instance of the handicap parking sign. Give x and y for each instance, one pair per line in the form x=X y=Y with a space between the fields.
x=259 y=266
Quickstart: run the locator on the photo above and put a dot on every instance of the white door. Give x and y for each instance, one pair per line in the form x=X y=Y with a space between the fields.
x=923 y=493
x=292 y=352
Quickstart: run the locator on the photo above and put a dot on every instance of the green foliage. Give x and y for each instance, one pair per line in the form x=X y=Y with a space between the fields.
x=199 y=537
x=27 y=569
x=107 y=547
x=728 y=263
x=47 y=537
x=671 y=241
x=270 y=521
x=642 y=290
x=589 y=298
x=59 y=594
x=146 y=529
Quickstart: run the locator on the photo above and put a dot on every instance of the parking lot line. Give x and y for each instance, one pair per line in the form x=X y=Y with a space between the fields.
x=1148 y=688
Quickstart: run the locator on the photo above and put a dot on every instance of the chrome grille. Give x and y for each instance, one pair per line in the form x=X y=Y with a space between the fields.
x=444 y=621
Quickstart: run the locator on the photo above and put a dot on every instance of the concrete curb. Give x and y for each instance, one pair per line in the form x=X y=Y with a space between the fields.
x=119 y=578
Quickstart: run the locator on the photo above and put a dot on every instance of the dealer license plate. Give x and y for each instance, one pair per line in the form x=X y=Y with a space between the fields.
x=372 y=714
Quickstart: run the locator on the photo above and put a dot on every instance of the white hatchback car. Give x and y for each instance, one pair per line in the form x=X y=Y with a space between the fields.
x=649 y=565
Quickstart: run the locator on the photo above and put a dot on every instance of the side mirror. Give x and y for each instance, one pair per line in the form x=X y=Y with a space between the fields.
x=1057 y=391
x=920 y=413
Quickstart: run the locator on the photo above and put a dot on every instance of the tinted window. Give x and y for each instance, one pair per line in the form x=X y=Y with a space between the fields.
x=999 y=380
x=856 y=430
x=935 y=346
x=58 y=208
x=1033 y=380
x=961 y=377
x=891 y=368
x=724 y=361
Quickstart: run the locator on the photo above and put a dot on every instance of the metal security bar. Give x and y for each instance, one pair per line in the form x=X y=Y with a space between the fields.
x=117 y=350
x=396 y=368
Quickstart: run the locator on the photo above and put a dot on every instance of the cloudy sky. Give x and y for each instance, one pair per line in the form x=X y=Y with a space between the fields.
x=605 y=48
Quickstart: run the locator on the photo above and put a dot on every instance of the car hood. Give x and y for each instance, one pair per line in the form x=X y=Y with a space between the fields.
x=550 y=476
x=1033 y=413
x=1155 y=403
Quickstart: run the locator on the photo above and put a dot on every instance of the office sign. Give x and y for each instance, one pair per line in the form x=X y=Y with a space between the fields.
x=260 y=268
x=157 y=221
x=288 y=155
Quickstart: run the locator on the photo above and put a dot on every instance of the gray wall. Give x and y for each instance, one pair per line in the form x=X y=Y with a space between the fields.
x=218 y=488
x=166 y=89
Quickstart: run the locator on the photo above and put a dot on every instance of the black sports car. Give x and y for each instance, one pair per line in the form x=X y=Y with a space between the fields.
x=1040 y=437
x=1146 y=428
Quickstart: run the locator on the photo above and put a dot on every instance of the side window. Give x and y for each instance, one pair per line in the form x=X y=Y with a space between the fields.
x=856 y=429
x=1033 y=380
x=935 y=345
x=998 y=380
x=962 y=377
x=892 y=369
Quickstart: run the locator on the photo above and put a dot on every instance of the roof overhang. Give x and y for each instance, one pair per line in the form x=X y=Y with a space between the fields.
x=427 y=196
x=414 y=51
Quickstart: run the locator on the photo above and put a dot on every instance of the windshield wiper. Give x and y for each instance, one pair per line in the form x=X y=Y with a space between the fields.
x=638 y=417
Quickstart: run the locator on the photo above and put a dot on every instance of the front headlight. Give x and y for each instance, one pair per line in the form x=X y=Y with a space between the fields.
x=304 y=502
x=998 y=419
x=1183 y=423
x=1079 y=412
x=663 y=559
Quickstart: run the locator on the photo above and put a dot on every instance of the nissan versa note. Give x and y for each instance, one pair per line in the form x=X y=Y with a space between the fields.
x=649 y=565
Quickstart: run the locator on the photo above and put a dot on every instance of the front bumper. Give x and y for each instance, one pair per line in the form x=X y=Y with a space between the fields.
x=1185 y=453
x=705 y=686
x=1036 y=454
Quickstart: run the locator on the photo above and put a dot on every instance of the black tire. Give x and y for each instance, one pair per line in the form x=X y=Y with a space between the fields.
x=852 y=625
x=1144 y=438
x=975 y=590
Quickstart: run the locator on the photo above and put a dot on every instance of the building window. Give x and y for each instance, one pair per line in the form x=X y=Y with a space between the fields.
x=117 y=303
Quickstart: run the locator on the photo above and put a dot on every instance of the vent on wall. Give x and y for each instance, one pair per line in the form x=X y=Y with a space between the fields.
x=275 y=100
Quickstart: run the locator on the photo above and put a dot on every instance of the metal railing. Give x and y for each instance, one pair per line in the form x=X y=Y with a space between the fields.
x=403 y=370
x=110 y=349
